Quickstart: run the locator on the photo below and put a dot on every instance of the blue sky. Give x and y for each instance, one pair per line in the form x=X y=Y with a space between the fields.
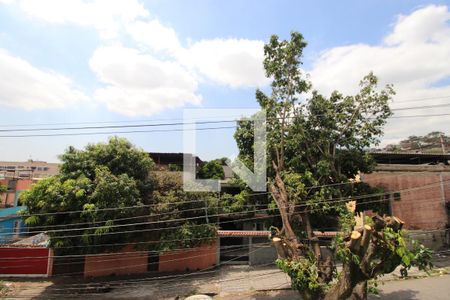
x=97 y=61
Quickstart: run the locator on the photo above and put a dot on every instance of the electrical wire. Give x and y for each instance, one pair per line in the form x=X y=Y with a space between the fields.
x=257 y=193
x=333 y=200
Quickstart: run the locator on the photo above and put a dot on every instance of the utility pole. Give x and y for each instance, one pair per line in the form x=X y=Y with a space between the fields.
x=443 y=144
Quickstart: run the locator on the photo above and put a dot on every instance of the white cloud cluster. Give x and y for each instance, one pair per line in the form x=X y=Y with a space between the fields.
x=26 y=87
x=106 y=16
x=159 y=72
x=414 y=57
x=232 y=62
x=137 y=83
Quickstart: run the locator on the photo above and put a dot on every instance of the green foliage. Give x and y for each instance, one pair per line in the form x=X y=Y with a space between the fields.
x=395 y=244
x=236 y=203
x=212 y=170
x=119 y=156
x=343 y=253
x=321 y=141
x=346 y=224
x=173 y=207
x=3 y=189
x=115 y=174
x=372 y=287
x=174 y=168
x=303 y=273
x=188 y=236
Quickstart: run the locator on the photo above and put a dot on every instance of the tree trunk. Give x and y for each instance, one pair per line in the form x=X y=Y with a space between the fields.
x=311 y=237
x=359 y=291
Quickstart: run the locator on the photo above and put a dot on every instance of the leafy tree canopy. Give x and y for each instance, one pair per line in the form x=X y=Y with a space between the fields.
x=318 y=142
x=212 y=170
x=92 y=184
x=3 y=188
x=316 y=145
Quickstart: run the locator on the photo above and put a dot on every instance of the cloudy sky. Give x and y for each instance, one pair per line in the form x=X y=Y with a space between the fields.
x=75 y=63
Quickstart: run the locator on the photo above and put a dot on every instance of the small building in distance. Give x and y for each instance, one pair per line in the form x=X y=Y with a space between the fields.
x=11 y=225
x=419 y=186
x=31 y=169
x=172 y=161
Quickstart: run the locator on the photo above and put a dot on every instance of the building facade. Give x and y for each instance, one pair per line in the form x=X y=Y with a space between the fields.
x=420 y=187
x=27 y=169
x=11 y=225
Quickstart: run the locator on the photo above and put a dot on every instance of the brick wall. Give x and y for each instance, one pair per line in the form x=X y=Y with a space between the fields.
x=24 y=184
x=422 y=207
x=128 y=261
x=197 y=258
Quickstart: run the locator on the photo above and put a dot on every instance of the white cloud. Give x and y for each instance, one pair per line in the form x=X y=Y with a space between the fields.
x=25 y=86
x=232 y=62
x=106 y=16
x=154 y=35
x=156 y=72
x=139 y=84
x=414 y=57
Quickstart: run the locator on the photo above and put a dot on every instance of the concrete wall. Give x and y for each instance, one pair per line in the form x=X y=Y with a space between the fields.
x=434 y=240
x=262 y=255
x=130 y=262
x=197 y=258
x=422 y=207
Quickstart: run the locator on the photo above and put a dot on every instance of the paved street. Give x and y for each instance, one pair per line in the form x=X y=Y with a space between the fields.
x=230 y=282
x=436 y=288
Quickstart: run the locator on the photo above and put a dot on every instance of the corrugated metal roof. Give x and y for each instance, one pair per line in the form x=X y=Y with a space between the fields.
x=409 y=153
x=38 y=240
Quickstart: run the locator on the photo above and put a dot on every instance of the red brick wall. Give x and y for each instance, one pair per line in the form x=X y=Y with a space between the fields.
x=197 y=258
x=420 y=208
x=10 y=198
x=127 y=261
x=23 y=184
x=24 y=261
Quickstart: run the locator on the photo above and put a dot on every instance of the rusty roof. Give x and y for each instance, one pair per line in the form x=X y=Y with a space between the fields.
x=265 y=233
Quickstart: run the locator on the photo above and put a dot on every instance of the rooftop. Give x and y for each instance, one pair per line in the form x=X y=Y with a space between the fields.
x=410 y=158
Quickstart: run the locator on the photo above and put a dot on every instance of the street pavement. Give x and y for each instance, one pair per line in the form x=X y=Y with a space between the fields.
x=237 y=282
x=431 y=288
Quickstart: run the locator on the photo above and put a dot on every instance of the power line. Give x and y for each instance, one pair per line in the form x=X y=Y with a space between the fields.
x=108 y=257
x=172 y=203
x=252 y=194
x=168 y=278
x=421 y=107
x=334 y=202
x=118 y=126
x=419 y=116
x=169 y=130
x=116 y=132
x=169 y=123
x=175 y=119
